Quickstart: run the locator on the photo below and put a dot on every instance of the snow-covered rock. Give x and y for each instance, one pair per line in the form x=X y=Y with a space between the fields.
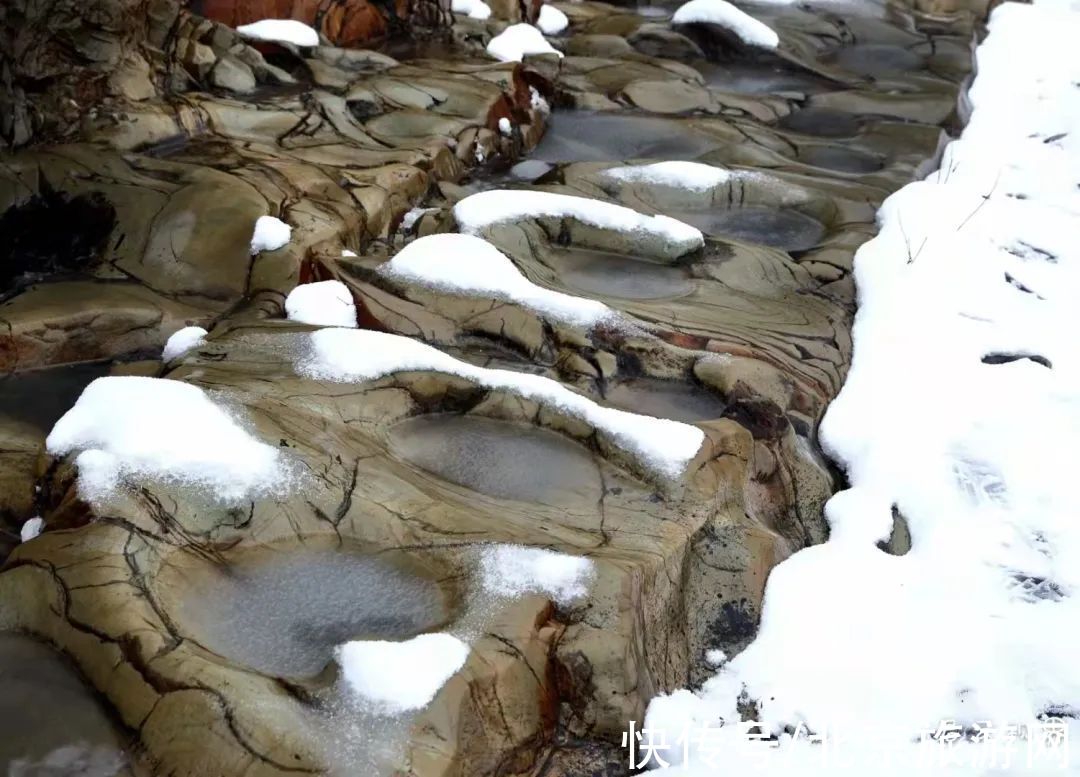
x=476 y=9
x=694 y=176
x=325 y=303
x=465 y=264
x=271 y=233
x=518 y=40
x=127 y=429
x=181 y=341
x=354 y=355
x=396 y=677
x=280 y=31
x=749 y=30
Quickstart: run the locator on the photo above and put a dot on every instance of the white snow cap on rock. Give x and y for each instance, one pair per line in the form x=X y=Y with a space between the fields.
x=681 y=175
x=516 y=41
x=181 y=341
x=325 y=303
x=497 y=206
x=514 y=570
x=957 y=417
x=476 y=9
x=468 y=265
x=723 y=14
x=396 y=677
x=131 y=429
x=551 y=20
x=271 y=233
x=32 y=528
x=280 y=31
x=505 y=127
x=353 y=355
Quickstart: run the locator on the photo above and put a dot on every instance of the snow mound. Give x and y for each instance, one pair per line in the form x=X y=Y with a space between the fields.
x=719 y=12
x=505 y=127
x=551 y=20
x=956 y=417
x=353 y=355
x=280 y=31
x=476 y=9
x=694 y=176
x=131 y=429
x=517 y=41
x=270 y=234
x=513 y=570
x=32 y=528
x=464 y=264
x=181 y=341
x=397 y=677
x=484 y=209
x=326 y=303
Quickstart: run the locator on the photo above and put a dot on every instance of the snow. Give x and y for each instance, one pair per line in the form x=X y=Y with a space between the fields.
x=665 y=235
x=353 y=355
x=181 y=341
x=326 y=303
x=32 y=528
x=517 y=41
x=128 y=429
x=346 y=253
x=280 y=31
x=476 y=9
x=980 y=620
x=694 y=176
x=408 y=221
x=551 y=20
x=270 y=234
x=748 y=29
x=505 y=127
x=397 y=677
x=537 y=102
x=513 y=570
x=465 y=264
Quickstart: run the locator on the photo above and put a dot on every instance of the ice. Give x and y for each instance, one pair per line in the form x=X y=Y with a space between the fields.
x=280 y=31
x=326 y=303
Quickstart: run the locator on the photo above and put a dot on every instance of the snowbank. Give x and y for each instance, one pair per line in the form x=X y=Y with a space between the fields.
x=132 y=429
x=477 y=9
x=680 y=175
x=396 y=677
x=346 y=355
x=478 y=211
x=551 y=20
x=464 y=264
x=280 y=31
x=958 y=416
x=326 y=303
x=749 y=30
x=181 y=341
x=270 y=234
x=518 y=40
x=513 y=570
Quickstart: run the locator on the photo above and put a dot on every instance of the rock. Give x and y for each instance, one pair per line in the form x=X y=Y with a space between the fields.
x=233 y=75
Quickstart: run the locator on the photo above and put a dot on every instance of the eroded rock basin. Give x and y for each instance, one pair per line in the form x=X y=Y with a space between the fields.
x=782 y=228
x=586 y=136
x=500 y=459
x=677 y=400
x=282 y=611
x=840 y=159
x=51 y=724
x=751 y=78
x=40 y=397
x=876 y=59
x=821 y=122
x=609 y=274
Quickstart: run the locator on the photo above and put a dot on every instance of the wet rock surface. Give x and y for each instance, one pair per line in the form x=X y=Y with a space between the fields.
x=207 y=630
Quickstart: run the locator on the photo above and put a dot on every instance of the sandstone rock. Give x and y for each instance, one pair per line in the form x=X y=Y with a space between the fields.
x=233 y=75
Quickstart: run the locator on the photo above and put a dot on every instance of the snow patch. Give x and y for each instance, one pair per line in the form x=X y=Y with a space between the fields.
x=326 y=303
x=181 y=341
x=475 y=9
x=694 y=176
x=468 y=265
x=551 y=20
x=280 y=31
x=353 y=355
x=517 y=41
x=397 y=677
x=32 y=528
x=513 y=570
x=270 y=234
x=505 y=127
x=129 y=429
x=672 y=237
x=719 y=12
